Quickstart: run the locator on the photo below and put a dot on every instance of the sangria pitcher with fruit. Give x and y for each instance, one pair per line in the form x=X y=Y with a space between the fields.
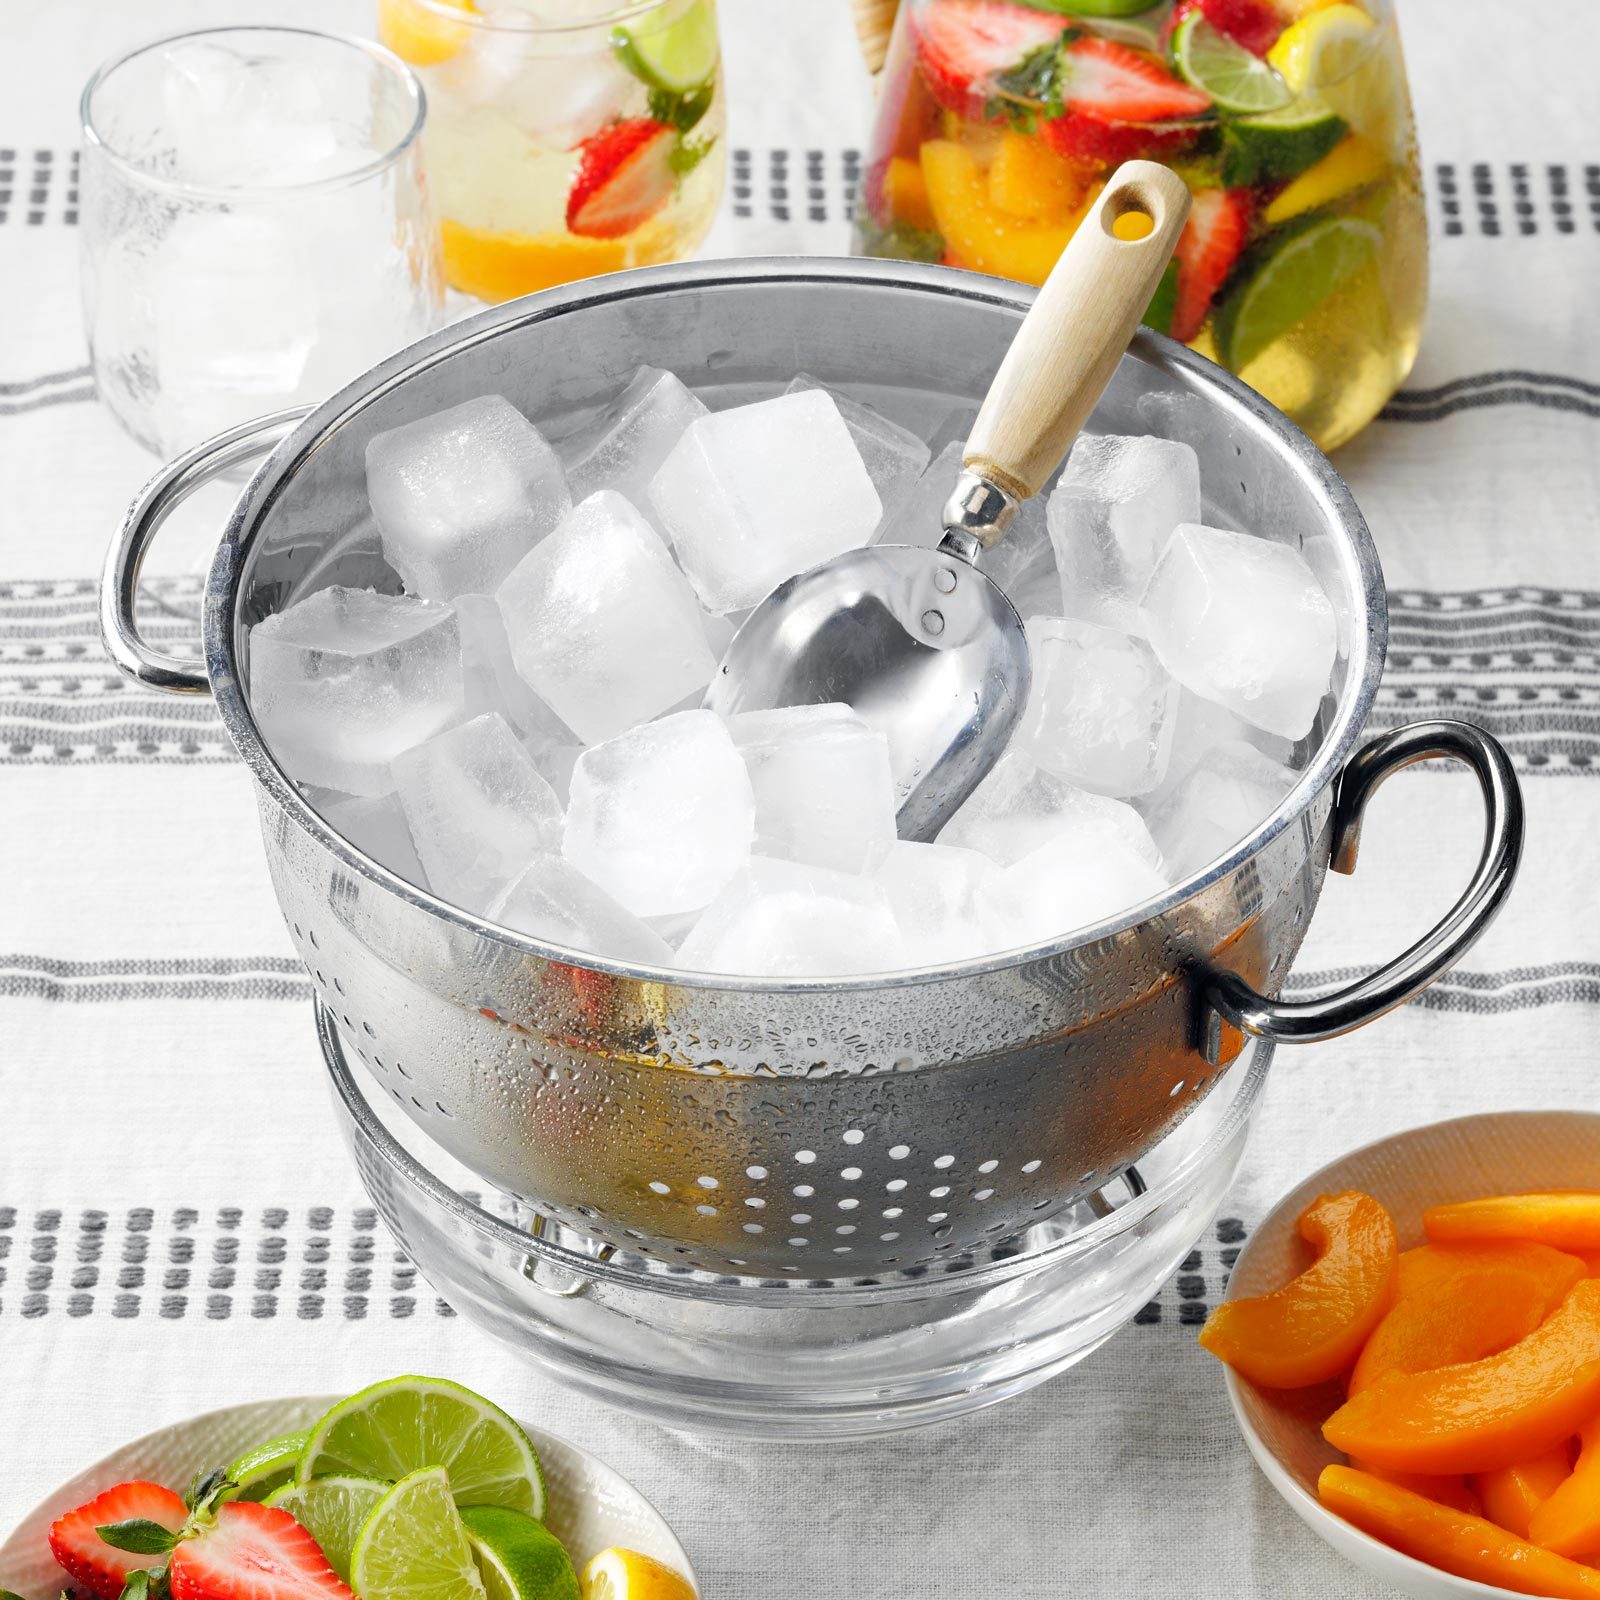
x=1303 y=267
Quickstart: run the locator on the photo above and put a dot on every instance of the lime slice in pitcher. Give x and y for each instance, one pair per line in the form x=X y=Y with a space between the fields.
x=674 y=49
x=1285 y=278
x=413 y=1546
x=332 y=1511
x=400 y=1426
x=1235 y=79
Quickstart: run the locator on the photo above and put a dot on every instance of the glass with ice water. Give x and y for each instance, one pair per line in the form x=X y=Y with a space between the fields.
x=256 y=225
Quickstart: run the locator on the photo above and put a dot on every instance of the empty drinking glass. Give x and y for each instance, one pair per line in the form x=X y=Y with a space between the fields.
x=257 y=229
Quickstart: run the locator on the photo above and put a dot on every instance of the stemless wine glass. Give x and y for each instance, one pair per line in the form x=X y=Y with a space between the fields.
x=1304 y=264
x=565 y=139
x=256 y=225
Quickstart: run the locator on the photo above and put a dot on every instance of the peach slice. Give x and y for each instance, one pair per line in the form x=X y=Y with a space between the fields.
x=1511 y=1495
x=1567 y=1219
x=1568 y=1522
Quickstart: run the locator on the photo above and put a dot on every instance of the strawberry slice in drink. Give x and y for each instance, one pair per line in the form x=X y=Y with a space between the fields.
x=962 y=46
x=1252 y=24
x=1119 y=104
x=1211 y=241
x=101 y=1568
x=253 y=1552
x=624 y=177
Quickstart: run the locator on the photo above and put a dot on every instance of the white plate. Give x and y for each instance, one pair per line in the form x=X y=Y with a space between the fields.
x=590 y=1506
x=1505 y=1152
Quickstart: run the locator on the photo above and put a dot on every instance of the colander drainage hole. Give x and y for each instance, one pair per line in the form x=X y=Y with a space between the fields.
x=848 y=1205
x=706 y=1182
x=898 y=1152
x=853 y=1136
x=800 y=1218
x=1031 y=1166
x=987 y=1166
x=758 y=1173
x=944 y=1161
x=803 y=1191
x=891 y=1212
x=895 y=1185
x=797 y=1241
x=658 y=1187
x=755 y=1203
x=706 y=1211
x=805 y=1157
x=850 y=1174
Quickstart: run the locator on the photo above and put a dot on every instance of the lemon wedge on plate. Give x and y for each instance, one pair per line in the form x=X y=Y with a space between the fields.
x=626 y=1575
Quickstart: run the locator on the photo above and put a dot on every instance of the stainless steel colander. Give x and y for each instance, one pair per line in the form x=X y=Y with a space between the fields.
x=813 y=1128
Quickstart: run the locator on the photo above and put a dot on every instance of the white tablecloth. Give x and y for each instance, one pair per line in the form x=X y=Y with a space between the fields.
x=179 y=1227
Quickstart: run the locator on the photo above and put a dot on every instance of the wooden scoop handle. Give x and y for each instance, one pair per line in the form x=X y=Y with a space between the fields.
x=1071 y=340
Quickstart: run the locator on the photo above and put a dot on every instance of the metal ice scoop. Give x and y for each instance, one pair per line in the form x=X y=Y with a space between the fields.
x=919 y=641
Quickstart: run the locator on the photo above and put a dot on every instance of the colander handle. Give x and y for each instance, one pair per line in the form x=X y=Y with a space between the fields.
x=1229 y=999
x=160 y=497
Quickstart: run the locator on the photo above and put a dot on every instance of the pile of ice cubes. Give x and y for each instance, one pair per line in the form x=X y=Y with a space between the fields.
x=517 y=728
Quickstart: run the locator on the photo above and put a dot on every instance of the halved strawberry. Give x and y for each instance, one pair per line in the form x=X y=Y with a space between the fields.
x=99 y=1567
x=253 y=1552
x=624 y=178
x=1212 y=238
x=1088 y=138
x=963 y=45
x=1116 y=84
x=1249 y=23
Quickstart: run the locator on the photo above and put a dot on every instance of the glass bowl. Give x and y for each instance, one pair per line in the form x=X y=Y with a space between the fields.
x=818 y=1358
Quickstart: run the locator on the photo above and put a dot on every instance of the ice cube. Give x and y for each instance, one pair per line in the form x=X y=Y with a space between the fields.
x=375 y=825
x=624 y=446
x=938 y=894
x=752 y=496
x=1020 y=806
x=1020 y=557
x=1101 y=710
x=461 y=496
x=779 y=919
x=602 y=624
x=893 y=456
x=663 y=816
x=1198 y=727
x=344 y=681
x=1070 y=882
x=1110 y=517
x=824 y=790
x=554 y=97
x=478 y=810
x=1244 y=622
x=491 y=681
x=1228 y=794
x=554 y=902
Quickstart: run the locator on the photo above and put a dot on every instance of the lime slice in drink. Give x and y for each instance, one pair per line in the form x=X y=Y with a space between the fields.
x=1275 y=146
x=413 y=1546
x=1285 y=278
x=1234 y=77
x=1094 y=8
x=405 y=1424
x=332 y=1511
x=518 y=1558
x=674 y=48
x=261 y=1469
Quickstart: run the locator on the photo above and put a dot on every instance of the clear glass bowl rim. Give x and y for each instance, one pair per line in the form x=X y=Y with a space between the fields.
x=137 y=174
x=769 y=1291
x=533 y=26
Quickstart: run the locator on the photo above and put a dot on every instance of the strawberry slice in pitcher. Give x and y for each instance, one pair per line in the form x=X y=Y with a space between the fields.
x=1119 y=104
x=1212 y=240
x=964 y=45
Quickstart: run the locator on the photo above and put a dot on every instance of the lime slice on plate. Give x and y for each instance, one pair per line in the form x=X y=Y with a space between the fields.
x=1285 y=278
x=332 y=1511
x=413 y=1546
x=262 y=1468
x=673 y=49
x=1234 y=77
x=405 y=1424
x=1277 y=145
x=518 y=1558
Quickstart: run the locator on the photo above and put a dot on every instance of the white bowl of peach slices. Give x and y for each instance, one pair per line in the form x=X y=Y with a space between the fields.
x=413 y=1489
x=1413 y=1348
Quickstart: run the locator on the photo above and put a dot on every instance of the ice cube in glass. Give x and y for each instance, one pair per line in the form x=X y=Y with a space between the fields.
x=477 y=808
x=663 y=816
x=461 y=496
x=345 y=680
x=602 y=624
x=1244 y=622
x=824 y=788
x=752 y=496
